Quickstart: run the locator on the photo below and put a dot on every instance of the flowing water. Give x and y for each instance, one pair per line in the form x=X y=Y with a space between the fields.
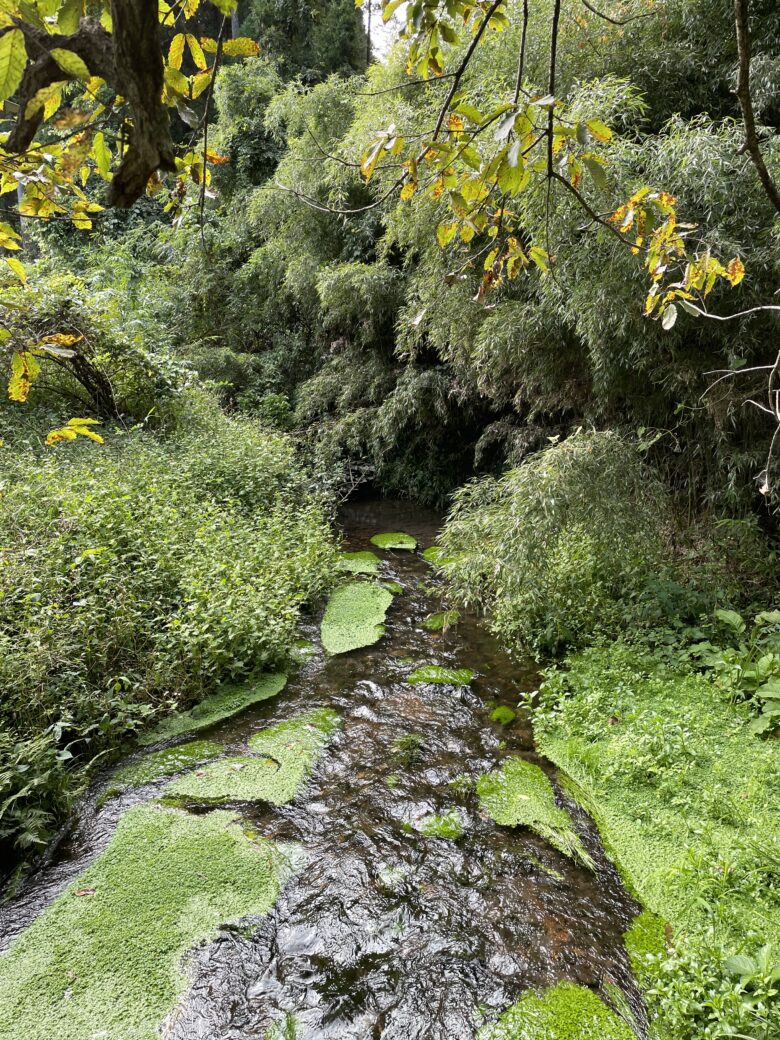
x=383 y=932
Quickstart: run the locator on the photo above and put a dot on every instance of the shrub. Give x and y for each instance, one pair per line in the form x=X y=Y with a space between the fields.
x=137 y=576
x=558 y=547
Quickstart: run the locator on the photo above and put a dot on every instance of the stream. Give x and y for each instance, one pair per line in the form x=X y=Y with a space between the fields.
x=384 y=932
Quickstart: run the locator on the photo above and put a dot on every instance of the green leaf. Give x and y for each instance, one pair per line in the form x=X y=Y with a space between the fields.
x=740 y=965
x=13 y=58
x=71 y=63
x=596 y=171
x=732 y=619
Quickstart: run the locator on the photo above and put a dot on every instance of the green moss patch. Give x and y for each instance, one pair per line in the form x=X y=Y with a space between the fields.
x=229 y=701
x=448 y=825
x=354 y=617
x=393 y=586
x=359 y=563
x=519 y=794
x=503 y=715
x=434 y=673
x=433 y=554
x=442 y=621
x=104 y=960
x=564 y=1012
x=166 y=762
x=284 y=757
x=645 y=938
x=394 y=540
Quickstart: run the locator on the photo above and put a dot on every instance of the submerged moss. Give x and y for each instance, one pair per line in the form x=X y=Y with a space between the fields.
x=519 y=794
x=166 y=762
x=442 y=621
x=433 y=554
x=104 y=960
x=448 y=825
x=284 y=757
x=354 y=617
x=503 y=714
x=564 y=1012
x=229 y=701
x=359 y=563
x=394 y=540
x=434 y=673
x=393 y=586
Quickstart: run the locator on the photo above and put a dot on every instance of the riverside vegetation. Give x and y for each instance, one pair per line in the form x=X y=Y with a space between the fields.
x=518 y=332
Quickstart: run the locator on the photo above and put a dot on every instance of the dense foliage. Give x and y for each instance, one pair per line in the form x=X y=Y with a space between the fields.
x=134 y=581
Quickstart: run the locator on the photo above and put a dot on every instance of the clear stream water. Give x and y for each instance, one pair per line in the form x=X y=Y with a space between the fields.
x=386 y=933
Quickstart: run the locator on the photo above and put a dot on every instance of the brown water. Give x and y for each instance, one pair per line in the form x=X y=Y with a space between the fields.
x=384 y=933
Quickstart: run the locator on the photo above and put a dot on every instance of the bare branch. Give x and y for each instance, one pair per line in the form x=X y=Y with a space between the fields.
x=617 y=21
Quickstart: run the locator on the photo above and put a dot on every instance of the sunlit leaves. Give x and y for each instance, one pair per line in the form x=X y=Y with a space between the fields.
x=24 y=370
x=70 y=63
x=75 y=428
x=13 y=58
x=241 y=47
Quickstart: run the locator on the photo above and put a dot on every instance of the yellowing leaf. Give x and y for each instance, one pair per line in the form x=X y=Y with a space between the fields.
x=102 y=155
x=599 y=130
x=241 y=47
x=17 y=267
x=199 y=83
x=47 y=98
x=13 y=58
x=176 y=52
x=9 y=239
x=75 y=428
x=70 y=63
x=735 y=271
x=445 y=234
x=24 y=369
x=197 y=52
x=225 y=6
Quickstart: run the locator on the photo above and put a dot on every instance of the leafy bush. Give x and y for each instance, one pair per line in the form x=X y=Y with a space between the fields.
x=556 y=549
x=135 y=577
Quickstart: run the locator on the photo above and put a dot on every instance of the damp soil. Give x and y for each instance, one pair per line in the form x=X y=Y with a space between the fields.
x=384 y=933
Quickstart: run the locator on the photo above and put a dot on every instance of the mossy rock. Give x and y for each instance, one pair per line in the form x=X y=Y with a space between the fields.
x=284 y=756
x=166 y=762
x=434 y=673
x=503 y=715
x=105 y=959
x=394 y=540
x=229 y=701
x=442 y=621
x=519 y=794
x=448 y=825
x=354 y=617
x=359 y=563
x=564 y=1012
x=433 y=554
x=393 y=586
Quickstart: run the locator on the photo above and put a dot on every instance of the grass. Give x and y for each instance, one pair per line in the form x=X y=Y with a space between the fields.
x=104 y=960
x=686 y=801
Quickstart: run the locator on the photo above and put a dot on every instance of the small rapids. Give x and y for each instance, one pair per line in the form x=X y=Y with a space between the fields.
x=383 y=932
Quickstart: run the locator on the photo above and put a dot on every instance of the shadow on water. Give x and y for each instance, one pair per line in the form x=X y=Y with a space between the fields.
x=383 y=932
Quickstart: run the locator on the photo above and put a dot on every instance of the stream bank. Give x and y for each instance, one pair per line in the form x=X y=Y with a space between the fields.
x=390 y=904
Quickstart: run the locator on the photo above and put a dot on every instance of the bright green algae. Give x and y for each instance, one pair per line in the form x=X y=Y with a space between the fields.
x=107 y=963
x=442 y=621
x=519 y=794
x=359 y=563
x=564 y=1012
x=165 y=762
x=354 y=617
x=394 y=540
x=284 y=757
x=503 y=715
x=434 y=673
x=447 y=825
x=225 y=704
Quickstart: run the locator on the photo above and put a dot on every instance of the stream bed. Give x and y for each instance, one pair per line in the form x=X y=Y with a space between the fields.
x=384 y=932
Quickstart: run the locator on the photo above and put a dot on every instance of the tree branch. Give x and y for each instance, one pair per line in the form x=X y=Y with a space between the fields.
x=752 y=145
